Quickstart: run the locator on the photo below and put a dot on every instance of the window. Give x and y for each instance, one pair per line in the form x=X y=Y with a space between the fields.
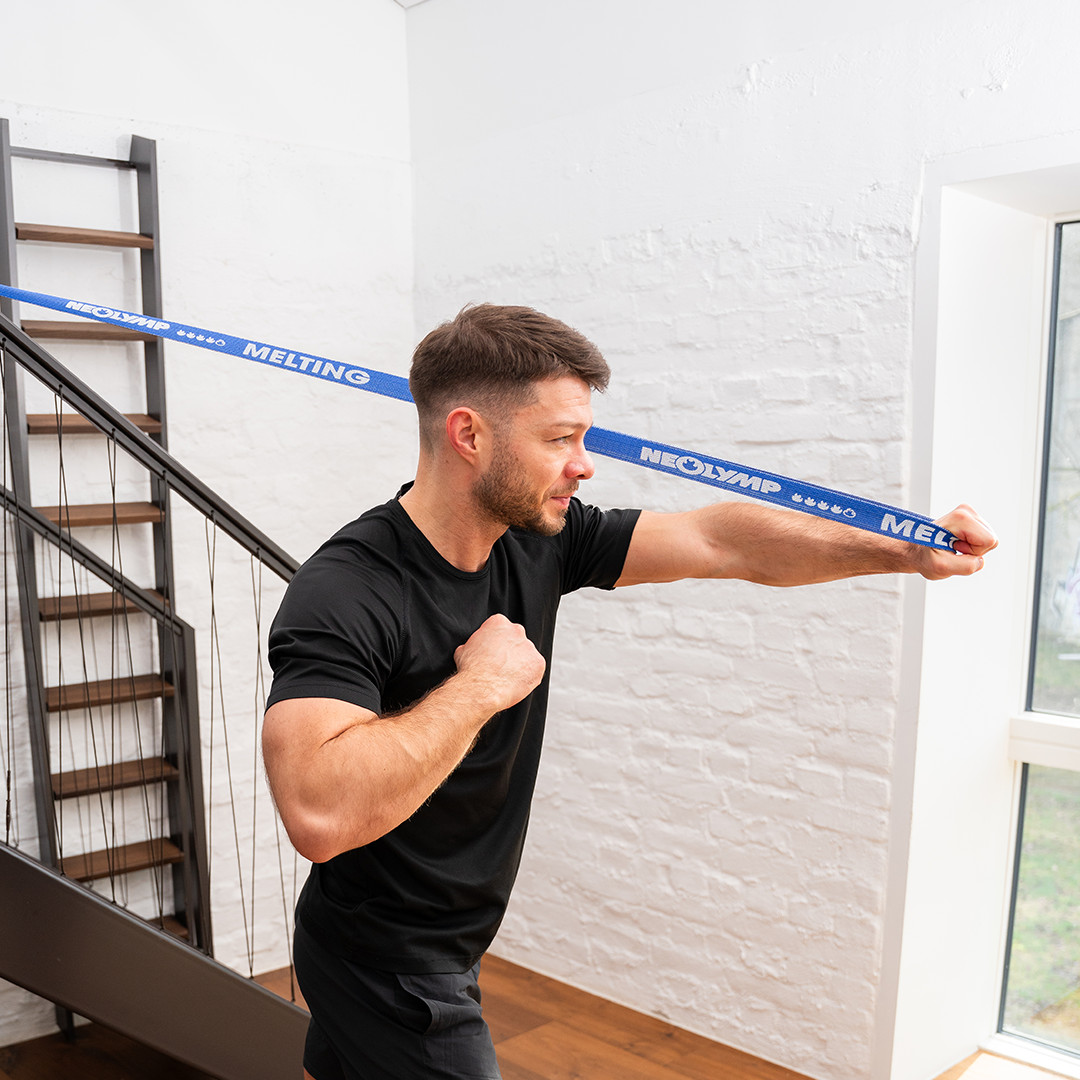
x=1055 y=667
x=1042 y=974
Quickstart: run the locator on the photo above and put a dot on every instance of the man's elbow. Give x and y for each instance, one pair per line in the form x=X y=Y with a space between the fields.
x=321 y=836
x=314 y=833
x=311 y=839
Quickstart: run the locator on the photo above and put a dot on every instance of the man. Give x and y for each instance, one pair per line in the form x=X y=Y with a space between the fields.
x=411 y=658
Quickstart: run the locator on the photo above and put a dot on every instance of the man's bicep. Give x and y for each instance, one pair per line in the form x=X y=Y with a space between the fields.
x=307 y=771
x=296 y=729
x=667 y=547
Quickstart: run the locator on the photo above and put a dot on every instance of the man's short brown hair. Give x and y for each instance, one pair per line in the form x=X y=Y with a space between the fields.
x=490 y=356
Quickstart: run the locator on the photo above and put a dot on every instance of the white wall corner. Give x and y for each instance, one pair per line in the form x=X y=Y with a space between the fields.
x=979 y=347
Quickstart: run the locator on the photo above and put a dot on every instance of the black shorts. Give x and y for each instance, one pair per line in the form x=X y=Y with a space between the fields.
x=378 y=1025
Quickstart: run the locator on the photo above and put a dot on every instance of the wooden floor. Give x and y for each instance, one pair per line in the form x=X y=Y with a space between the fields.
x=543 y=1030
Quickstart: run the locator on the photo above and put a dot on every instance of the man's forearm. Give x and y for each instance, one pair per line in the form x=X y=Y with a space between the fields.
x=342 y=776
x=783 y=548
x=780 y=547
x=375 y=774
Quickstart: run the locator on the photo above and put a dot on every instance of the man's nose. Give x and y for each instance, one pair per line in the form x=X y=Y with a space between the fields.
x=581 y=467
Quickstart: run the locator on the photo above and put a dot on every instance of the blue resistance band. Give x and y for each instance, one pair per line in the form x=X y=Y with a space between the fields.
x=822 y=502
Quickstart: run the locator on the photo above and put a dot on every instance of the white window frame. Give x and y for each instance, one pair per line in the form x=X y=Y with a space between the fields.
x=1037 y=738
x=1042 y=738
x=1045 y=739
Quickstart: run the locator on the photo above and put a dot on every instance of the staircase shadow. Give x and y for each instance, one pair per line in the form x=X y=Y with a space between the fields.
x=95 y=1053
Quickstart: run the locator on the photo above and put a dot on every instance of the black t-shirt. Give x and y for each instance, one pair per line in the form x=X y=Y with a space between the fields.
x=373 y=618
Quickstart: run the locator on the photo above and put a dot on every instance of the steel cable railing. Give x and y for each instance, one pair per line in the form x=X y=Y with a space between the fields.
x=185 y=747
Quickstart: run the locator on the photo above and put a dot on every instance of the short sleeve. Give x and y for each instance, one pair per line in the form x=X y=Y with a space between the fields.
x=338 y=630
x=595 y=546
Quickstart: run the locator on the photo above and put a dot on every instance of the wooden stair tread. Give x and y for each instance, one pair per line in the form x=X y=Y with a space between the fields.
x=74 y=424
x=111 y=777
x=121 y=860
x=88 y=514
x=171 y=925
x=106 y=691
x=79 y=330
x=88 y=606
x=68 y=234
x=282 y=981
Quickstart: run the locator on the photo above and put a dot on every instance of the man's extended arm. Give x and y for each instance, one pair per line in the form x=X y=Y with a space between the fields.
x=342 y=777
x=782 y=547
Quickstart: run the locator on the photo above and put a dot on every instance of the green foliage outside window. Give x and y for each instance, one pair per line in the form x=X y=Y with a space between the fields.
x=1042 y=999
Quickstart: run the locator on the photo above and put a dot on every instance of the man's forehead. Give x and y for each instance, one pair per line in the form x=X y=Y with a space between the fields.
x=563 y=399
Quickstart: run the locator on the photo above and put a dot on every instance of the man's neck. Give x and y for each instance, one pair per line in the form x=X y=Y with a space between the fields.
x=452 y=522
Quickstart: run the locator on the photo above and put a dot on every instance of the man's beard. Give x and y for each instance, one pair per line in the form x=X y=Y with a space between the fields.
x=503 y=498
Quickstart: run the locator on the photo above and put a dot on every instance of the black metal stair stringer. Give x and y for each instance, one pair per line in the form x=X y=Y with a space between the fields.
x=64 y=943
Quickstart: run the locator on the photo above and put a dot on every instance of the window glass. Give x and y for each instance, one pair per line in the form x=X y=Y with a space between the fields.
x=1042 y=975
x=1055 y=669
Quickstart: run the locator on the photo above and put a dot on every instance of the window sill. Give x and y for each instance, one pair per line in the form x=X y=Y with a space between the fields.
x=1032 y=1053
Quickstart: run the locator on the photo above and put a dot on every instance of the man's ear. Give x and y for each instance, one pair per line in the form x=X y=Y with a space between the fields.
x=468 y=434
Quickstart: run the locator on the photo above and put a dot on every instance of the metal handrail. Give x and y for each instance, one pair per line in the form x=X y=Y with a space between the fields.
x=146 y=601
x=158 y=461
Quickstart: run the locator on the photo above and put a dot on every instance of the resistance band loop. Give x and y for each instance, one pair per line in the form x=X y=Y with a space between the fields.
x=691 y=465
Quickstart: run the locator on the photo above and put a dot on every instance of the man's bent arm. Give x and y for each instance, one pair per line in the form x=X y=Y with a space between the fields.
x=342 y=776
x=783 y=547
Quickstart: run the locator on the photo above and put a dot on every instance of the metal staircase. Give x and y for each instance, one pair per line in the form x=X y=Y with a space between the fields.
x=189 y=916
x=62 y=942
x=59 y=938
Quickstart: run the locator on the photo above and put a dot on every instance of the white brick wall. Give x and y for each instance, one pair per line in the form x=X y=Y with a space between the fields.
x=709 y=838
x=728 y=202
x=284 y=190
x=732 y=216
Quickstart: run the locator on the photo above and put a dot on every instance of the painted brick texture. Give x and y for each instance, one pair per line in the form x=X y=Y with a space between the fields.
x=709 y=835
x=734 y=221
x=730 y=207
x=267 y=224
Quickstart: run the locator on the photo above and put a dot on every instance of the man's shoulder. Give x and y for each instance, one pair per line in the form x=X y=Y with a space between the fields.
x=369 y=545
x=585 y=522
x=593 y=545
x=378 y=527
x=341 y=616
